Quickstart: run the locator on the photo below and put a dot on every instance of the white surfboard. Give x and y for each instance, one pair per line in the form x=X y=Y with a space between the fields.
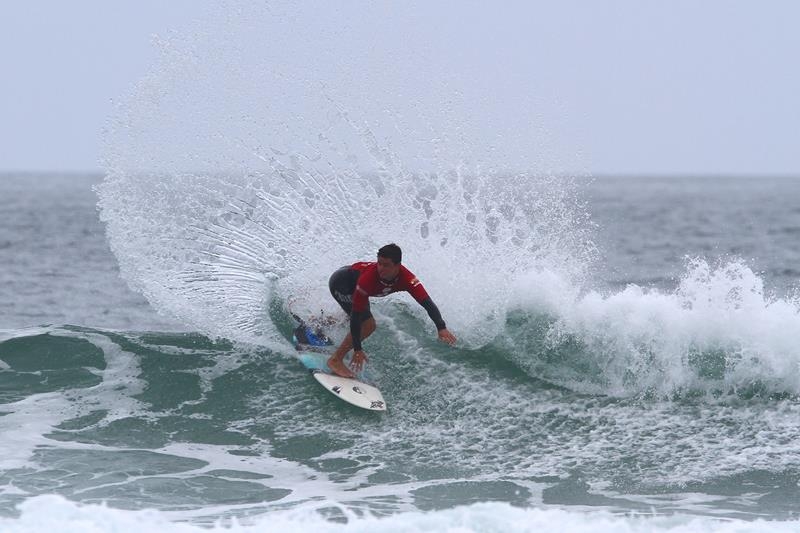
x=352 y=391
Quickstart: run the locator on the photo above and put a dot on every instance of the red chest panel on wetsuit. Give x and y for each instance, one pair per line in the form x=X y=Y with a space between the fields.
x=370 y=284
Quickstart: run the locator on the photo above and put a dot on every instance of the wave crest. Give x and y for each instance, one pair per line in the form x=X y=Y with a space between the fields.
x=718 y=333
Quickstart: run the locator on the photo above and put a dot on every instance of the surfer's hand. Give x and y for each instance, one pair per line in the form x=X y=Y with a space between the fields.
x=358 y=360
x=446 y=336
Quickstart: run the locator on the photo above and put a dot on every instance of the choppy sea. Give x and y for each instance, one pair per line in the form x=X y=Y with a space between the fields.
x=629 y=364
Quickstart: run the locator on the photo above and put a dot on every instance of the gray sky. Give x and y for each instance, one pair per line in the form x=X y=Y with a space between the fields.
x=637 y=86
x=62 y=64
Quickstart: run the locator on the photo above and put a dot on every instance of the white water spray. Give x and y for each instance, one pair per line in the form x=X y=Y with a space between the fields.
x=244 y=164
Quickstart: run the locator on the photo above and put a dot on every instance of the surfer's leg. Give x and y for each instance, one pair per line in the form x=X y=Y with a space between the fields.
x=342 y=284
x=367 y=328
x=336 y=361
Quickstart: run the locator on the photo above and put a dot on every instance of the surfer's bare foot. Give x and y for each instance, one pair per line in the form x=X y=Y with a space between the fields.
x=338 y=367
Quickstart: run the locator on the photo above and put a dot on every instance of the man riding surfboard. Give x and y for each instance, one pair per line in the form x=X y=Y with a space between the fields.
x=353 y=285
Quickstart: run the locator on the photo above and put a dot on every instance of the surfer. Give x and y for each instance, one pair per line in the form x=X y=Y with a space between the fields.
x=352 y=285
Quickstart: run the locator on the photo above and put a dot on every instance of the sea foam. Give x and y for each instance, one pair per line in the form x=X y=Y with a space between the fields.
x=719 y=331
x=55 y=513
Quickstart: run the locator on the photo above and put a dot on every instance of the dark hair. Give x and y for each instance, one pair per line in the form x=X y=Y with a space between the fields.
x=391 y=251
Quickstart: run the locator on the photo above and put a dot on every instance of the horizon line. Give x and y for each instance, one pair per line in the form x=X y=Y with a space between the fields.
x=576 y=174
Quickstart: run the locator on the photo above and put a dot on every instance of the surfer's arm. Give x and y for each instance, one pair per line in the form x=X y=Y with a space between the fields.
x=436 y=316
x=433 y=312
x=418 y=292
x=359 y=313
x=356 y=320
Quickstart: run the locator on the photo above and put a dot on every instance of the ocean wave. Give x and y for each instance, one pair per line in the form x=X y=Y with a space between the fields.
x=719 y=333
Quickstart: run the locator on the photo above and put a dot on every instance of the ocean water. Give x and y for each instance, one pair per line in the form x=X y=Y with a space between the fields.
x=654 y=389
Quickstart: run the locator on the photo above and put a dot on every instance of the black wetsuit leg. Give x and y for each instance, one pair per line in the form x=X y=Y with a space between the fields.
x=342 y=285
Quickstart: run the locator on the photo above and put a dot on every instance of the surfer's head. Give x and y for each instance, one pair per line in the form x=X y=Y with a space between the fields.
x=391 y=251
x=389 y=258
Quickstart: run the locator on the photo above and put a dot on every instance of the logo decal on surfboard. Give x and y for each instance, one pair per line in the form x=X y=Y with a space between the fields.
x=359 y=391
x=376 y=405
x=337 y=389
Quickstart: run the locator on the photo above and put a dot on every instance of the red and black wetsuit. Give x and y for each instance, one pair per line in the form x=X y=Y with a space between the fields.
x=351 y=286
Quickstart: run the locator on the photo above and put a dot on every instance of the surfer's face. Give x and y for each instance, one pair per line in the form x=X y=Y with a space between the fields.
x=387 y=270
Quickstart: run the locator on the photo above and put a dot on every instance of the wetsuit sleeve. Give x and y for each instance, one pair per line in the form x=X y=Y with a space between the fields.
x=413 y=286
x=360 y=298
x=360 y=305
x=418 y=292
x=433 y=312
x=356 y=319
